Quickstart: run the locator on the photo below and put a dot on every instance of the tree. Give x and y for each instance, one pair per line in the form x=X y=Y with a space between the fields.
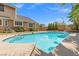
x=61 y=26
x=50 y=26
x=53 y=26
x=74 y=15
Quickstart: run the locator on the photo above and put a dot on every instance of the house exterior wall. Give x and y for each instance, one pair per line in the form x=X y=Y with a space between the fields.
x=8 y=12
x=36 y=26
x=1 y=28
x=26 y=22
x=10 y=23
x=26 y=25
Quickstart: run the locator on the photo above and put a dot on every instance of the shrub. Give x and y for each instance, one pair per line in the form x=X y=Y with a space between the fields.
x=31 y=29
x=19 y=29
x=7 y=30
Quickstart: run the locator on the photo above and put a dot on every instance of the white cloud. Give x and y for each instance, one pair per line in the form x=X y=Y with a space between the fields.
x=53 y=8
x=60 y=20
x=19 y=5
x=63 y=10
x=34 y=5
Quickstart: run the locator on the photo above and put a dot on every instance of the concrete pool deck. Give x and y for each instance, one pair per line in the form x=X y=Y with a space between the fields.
x=15 y=49
x=11 y=49
x=68 y=47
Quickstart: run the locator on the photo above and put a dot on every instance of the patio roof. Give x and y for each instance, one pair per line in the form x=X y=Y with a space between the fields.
x=24 y=18
x=4 y=17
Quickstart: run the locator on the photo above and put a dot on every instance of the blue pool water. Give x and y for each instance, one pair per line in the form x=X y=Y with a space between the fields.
x=45 y=41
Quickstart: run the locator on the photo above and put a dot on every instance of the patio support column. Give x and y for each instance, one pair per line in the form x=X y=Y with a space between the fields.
x=1 y=21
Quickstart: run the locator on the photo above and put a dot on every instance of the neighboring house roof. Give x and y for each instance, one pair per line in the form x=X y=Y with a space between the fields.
x=23 y=18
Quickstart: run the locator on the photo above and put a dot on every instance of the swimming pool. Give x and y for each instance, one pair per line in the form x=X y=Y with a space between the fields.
x=45 y=41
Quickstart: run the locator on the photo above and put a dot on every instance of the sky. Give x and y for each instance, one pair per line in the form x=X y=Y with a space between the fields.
x=44 y=13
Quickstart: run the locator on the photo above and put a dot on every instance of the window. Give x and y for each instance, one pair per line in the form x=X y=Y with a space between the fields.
x=0 y=22
x=1 y=7
x=18 y=23
x=30 y=25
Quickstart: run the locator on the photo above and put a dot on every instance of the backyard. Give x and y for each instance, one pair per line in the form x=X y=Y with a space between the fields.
x=26 y=37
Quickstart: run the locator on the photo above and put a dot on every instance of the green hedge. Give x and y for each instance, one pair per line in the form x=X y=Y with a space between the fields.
x=19 y=29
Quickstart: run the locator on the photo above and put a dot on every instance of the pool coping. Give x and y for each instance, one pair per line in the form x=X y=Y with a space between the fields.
x=35 y=43
x=31 y=43
x=26 y=34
